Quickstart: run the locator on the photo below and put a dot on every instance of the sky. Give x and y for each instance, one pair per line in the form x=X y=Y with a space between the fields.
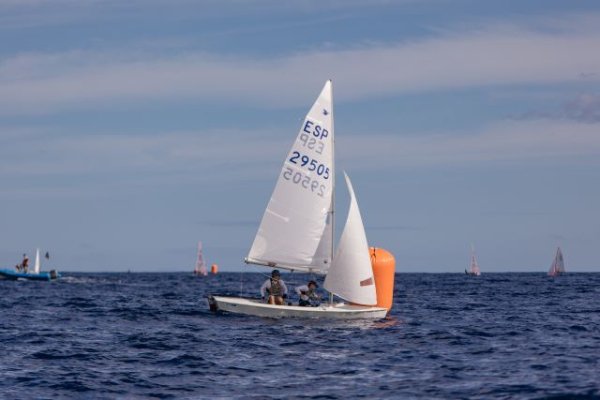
x=131 y=130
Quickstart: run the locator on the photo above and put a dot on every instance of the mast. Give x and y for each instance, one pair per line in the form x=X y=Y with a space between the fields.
x=332 y=212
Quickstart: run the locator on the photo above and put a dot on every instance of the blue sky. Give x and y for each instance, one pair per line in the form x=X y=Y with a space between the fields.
x=128 y=132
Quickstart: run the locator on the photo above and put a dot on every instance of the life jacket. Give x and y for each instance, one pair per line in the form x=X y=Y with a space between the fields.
x=25 y=262
x=276 y=289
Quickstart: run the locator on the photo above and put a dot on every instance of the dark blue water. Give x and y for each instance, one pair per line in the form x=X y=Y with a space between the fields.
x=123 y=336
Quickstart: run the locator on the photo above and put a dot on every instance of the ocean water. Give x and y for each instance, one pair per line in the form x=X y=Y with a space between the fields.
x=449 y=336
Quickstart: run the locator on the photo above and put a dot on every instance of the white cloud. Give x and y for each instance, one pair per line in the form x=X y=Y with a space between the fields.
x=221 y=156
x=20 y=14
x=514 y=141
x=586 y=107
x=46 y=83
x=148 y=159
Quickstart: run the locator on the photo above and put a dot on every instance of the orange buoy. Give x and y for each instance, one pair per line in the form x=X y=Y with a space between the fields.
x=384 y=268
x=214 y=269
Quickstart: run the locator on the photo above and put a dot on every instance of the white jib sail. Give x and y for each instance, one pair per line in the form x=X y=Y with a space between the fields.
x=295 y=231
x=37 y=265
x=351 y=275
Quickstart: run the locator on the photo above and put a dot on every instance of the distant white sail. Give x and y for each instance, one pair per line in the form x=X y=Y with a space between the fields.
x=474 y=267
x=351 y=275
x=200 y=264
x=558 y=265
x=295 y=231
x=37 y=265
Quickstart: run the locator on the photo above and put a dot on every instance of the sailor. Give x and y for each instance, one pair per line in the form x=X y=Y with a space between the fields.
x=308 y=295
x=25 y=263
x=275 y=287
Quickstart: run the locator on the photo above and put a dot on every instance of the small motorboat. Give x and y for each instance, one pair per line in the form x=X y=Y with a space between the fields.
x=37 y=275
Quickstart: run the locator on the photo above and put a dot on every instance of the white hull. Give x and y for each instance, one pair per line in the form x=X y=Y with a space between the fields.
x=259 y=308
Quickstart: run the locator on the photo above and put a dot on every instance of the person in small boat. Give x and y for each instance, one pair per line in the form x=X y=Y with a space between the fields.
x=25 y=263
x=275 y=287
x=308 y=295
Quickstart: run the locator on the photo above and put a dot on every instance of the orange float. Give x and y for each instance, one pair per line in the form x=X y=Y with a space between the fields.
x=384 y=269
x=214 y=269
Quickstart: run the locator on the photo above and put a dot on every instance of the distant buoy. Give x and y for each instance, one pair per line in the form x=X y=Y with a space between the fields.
x=214 y=269
x=384 y=269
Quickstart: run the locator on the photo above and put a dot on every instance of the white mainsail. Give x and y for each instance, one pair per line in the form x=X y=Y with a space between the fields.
x=351 y=275
x=296 y=228
x=558 y=265
x=200 y=264
x=474 y=267
x=37 y=265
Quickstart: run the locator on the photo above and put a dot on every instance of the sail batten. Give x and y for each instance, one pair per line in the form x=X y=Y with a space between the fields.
x=295 y=230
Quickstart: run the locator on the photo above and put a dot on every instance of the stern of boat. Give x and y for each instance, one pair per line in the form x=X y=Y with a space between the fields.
x=212 y=304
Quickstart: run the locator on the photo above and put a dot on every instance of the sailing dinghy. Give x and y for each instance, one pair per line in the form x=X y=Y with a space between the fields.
x=296 y=232
x=200 y=268
x=474 y=266
x=558 y=265
x=36 y=275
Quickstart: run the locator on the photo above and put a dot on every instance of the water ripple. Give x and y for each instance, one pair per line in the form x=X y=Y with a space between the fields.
x=138 y=336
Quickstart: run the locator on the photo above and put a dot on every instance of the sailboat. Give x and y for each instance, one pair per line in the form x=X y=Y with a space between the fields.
x=558 y=265
x=474 y=266
x=296 y=232
x=35 y=275
x=200 y=268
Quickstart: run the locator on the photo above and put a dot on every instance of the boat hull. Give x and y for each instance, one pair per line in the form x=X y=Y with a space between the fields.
x=258 y=308
x=9 y=274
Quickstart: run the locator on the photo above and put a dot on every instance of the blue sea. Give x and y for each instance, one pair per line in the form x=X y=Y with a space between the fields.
x=151 y=336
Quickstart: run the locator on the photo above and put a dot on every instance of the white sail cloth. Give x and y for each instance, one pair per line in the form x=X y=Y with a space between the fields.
x=200 y=264
x=474 y=268
x=37 y=266
x=558 y=265
x=295 y=231
x=351 y=274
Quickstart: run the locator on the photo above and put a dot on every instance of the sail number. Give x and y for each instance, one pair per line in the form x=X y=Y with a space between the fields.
x=310 y=133
x=312 y=143
x=315 y=129
x=310 y=163
x=304 y=180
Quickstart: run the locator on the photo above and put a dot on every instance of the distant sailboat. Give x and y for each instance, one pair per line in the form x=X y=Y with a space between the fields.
x=558 y=265
x=200 y=268
x=474 y=267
